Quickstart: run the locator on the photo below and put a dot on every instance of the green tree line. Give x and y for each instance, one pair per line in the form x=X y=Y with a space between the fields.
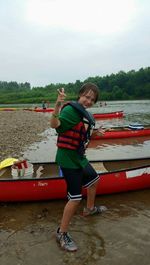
x=121 y=86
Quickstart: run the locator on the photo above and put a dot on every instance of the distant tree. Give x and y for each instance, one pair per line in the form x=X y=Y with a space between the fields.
x=130 y=85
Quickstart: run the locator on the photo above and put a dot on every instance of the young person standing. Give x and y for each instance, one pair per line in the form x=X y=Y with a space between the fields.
x=73 y=124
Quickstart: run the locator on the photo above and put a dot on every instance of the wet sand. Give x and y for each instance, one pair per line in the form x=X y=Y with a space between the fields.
x=27 y=230
x=119 y=236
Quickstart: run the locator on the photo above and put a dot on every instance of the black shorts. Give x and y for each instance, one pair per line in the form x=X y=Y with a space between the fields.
x=78 y=178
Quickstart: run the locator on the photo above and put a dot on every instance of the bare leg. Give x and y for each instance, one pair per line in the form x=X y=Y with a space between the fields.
x=91 y=193
x=68 y=213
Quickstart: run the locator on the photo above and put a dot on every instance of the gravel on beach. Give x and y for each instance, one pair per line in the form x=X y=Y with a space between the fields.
x=19 y=129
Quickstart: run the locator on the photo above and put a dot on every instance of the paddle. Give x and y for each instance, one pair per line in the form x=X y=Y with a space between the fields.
x=7 y=162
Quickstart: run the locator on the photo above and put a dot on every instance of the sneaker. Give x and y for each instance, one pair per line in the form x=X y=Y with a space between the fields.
x=95 y=210
x=65 y=241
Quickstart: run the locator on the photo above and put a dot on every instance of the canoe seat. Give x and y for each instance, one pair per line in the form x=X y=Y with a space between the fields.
x=99 y=167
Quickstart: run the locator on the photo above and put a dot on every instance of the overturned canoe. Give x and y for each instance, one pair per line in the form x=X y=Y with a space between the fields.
x=116 y=114
x=46 y=182
x=8 y=109
x=120 y=132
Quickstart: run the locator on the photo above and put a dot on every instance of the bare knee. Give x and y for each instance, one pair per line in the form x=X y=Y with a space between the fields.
x=74 y=203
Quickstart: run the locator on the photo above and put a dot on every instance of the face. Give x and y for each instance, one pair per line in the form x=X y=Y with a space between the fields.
x=87 y=99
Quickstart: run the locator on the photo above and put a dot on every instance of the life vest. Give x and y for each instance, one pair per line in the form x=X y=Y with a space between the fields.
x=77 y=138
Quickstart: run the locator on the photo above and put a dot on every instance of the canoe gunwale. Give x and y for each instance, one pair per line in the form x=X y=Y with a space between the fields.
x=101 y=160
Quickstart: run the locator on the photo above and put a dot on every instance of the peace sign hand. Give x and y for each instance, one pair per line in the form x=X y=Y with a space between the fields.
x=61 y=96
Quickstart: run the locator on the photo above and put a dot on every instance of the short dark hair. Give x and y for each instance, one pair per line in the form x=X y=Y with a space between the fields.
x=87 y=87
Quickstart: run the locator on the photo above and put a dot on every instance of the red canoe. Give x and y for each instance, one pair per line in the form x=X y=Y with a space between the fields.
x=43 y=110
x=116 y=114
x=46 y=183
x=120 y=132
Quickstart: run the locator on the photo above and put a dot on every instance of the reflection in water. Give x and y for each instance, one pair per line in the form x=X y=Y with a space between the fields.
x=122 y=141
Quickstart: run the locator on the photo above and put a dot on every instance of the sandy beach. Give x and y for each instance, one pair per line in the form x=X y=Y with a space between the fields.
x=19 y=129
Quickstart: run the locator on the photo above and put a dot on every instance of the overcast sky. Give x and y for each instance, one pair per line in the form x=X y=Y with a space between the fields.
x=61 y=41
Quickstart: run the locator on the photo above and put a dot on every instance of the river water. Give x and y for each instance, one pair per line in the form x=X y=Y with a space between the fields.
x=135 y=112
x=119 y=236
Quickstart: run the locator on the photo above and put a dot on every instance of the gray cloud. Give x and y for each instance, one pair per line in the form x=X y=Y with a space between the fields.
x=30 y=53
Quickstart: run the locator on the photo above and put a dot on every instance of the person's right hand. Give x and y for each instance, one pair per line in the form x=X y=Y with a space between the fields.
x=61 y=95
